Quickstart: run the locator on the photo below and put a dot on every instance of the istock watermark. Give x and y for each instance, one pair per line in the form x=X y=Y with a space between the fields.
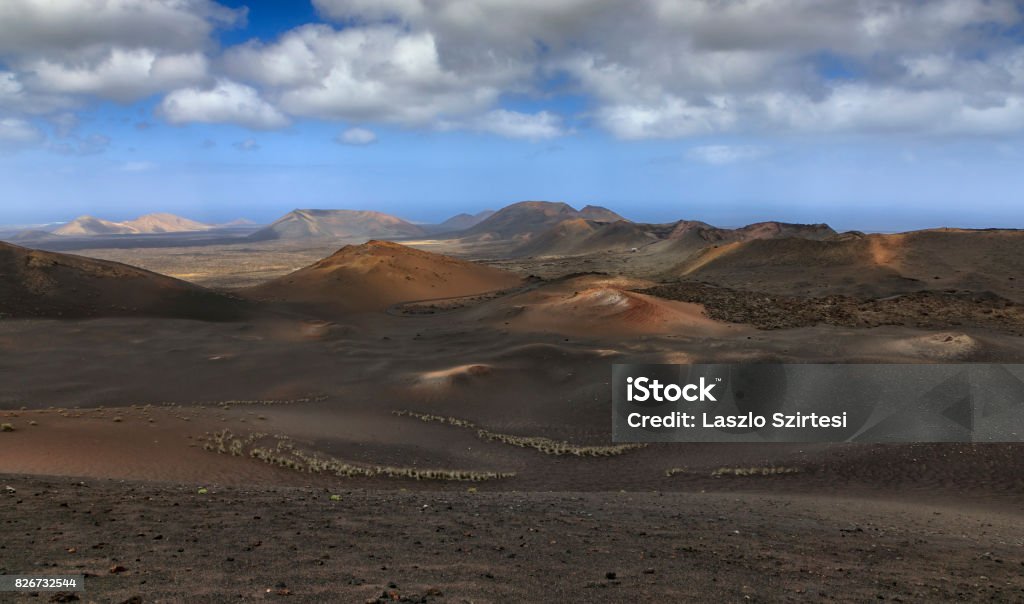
x=818 y=403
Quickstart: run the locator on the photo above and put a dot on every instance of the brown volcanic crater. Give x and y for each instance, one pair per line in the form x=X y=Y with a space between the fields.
x=35 y=283
x=378 y=274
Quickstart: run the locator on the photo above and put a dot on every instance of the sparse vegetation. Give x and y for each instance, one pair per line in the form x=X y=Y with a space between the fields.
x=923 y=309
x=6 y=427
x=741 y=471
x=754 y=471
x=543 y=444
x=283 y=453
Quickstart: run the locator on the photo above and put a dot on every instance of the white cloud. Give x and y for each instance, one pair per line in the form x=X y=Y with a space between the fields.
x=512 y=124
x=16 y=133
x=718 y=155
x=60 y=52
x=369 y=10
x=356 y=136
x=15 y=98
x=120 y=75
x=228 y=101
x=673 y=117
x=647 y=68
x=51 y=26
x=375 y=73
x=246 y=145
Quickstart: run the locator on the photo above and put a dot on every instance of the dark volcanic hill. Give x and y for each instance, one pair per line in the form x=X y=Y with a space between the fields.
x=377 y=274
x=34 y=283
x=580 y=236
x=599 y=214
x=675 y=240
x=461 y=222
x=873 y=265
x=354 y=224
x=527 y=219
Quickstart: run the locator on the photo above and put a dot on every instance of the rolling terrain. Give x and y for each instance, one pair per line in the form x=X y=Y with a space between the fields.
x=377 y=274
x=446 y=419
x=44 y=284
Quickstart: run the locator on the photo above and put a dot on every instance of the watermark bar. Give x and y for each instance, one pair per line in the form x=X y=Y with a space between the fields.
x=33 y=583
x=884 y=403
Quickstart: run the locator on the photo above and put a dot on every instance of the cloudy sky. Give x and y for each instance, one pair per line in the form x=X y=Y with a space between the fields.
x=870 y=114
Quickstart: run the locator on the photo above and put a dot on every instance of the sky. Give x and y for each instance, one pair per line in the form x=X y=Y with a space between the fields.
x=871 y=114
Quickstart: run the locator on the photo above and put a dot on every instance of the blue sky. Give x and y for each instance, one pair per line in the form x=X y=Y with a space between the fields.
x=879 y=116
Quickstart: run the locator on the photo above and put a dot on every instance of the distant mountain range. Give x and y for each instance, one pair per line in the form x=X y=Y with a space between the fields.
x=527 y=228
x=87 y=226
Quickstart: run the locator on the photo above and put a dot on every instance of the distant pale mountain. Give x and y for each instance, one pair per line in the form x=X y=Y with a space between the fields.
x=166 y=223
x=308 y=224
x=87 y=226
x=527 y=219
x=238 y=223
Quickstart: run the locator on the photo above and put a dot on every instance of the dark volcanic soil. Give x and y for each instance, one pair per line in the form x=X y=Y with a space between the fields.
x=923 y=309
x=175 y=544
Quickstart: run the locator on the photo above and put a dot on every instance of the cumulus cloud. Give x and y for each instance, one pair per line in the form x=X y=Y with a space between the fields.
x=512 y=124
x=59 y=52
x=718 y=155
x=46 y=26
x=646 y=68
x=15 y=98
x=119 y=74
x=16 y=133
x=227 y=101
x=369 y=10
x=356 y=136
x=653 y=68
x=378 y=73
